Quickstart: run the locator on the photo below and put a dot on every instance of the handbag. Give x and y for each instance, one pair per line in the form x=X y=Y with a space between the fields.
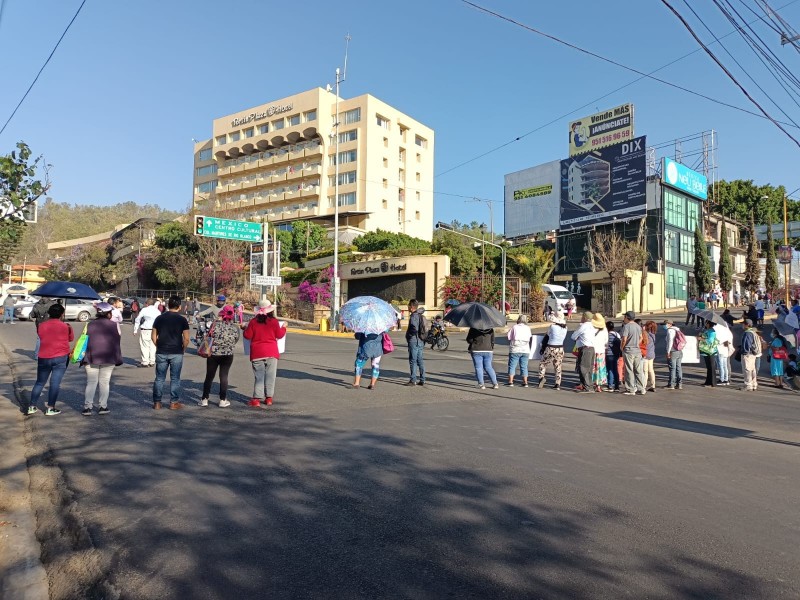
x=79 y=350
x=388 y=344
x=205 y=348
x=707 y=348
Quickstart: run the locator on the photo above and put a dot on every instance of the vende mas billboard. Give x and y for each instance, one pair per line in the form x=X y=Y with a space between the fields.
x=683 y=178
x=604 y=185
x=601 y=130
x=532 y=200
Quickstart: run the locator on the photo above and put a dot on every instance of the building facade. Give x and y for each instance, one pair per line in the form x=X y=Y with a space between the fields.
x=277 y=162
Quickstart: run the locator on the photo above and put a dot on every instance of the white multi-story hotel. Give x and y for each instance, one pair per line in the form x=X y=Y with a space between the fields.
x=277 y=162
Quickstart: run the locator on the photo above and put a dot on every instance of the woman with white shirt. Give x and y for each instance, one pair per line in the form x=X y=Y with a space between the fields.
x=553 y=350
x=519 y=337
x=599 y=370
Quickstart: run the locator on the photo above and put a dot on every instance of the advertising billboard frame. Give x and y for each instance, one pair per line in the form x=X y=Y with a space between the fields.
x=600 y=130
x=684 y=179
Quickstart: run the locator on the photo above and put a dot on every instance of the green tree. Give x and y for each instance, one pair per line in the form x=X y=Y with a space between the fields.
x=725 y=269
x=771 y=270
x=175 y=236
x=11 y=234
x=19 y=186
x=378 y=240
x=532 y=263
x=752 y=270
x=703 y=278
x=463 y=258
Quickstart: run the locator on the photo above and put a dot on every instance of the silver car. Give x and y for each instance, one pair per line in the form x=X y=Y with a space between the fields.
x=74 y=310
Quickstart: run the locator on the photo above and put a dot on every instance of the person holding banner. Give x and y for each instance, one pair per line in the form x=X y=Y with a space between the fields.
x=519 y=337
x=553 y=350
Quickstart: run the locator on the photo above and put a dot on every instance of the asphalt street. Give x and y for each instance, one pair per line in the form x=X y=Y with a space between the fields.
x=427 y=492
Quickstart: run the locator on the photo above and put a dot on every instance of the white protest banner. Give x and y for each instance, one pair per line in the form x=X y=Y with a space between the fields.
x=690 y=353
x=536 y=348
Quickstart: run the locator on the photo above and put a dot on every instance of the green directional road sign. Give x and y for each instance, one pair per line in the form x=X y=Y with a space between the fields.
x=244 y=231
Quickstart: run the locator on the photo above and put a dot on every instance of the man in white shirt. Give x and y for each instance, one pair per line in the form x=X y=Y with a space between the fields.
x=674 y=356
x=145 y=322
x=584 y=344
x=724 y=351
x=760 y=310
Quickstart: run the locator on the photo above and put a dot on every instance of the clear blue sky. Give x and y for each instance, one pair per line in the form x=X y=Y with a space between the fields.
x=134 y=82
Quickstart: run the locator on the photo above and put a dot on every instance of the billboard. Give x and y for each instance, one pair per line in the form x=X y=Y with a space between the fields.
x=601 y=130
x=683 y=178
x=604 y=185
x=532 y=199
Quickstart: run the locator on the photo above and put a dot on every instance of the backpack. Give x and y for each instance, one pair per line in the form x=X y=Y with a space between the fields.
x=679 y=343
x=423 y=327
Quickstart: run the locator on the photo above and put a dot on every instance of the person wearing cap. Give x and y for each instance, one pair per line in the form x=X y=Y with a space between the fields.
x=631 y=334
x=751 y=350
x=213 y=310
x=170 y=334
x=264 y=331
x=553 y=350
x=584 y=344
x=674 y=356
x=599 y=343
x=225 y=335
x=103 y=353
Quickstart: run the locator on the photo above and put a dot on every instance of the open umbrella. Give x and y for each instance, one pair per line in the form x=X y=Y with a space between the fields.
x=475 y=314
x=784 y=328
x=368 y=314
x=453 y=302
x=66 y=289
x=710 y=315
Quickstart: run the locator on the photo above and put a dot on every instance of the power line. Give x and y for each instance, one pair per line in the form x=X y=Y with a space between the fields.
x=43 y=66
x=725 y=70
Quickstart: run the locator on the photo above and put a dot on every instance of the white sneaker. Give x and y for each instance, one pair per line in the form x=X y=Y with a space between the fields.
x=224 y=403
x=203 y=402
x=482 y=387
x=496 y=386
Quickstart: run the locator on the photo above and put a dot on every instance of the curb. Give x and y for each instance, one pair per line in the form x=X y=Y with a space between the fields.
x=22 y=574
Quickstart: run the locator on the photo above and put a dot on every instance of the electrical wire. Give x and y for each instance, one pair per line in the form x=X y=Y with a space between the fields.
x=43 y=67
x=726 y=71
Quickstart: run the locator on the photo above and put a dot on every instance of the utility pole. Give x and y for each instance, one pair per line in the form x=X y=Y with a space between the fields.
x=490 y=204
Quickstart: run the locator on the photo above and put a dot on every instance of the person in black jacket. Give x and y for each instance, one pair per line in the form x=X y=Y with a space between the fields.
x=415 y=338
x=481 y=347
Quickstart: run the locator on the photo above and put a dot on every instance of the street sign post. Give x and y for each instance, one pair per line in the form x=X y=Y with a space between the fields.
x=227 y=229
x=266 y=280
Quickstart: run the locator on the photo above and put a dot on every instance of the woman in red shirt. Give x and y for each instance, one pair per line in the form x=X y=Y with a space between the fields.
x=55 y=336
x=264 y=332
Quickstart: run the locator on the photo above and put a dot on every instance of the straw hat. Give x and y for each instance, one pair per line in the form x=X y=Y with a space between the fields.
x=265 y=307
x=598 y=322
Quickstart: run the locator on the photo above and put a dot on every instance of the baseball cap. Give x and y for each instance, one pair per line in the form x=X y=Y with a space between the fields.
x=630 y=315
x=220 y=298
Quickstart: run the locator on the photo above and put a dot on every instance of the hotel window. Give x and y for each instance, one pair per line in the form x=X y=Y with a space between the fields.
x=222 y=139
x=418 y=177
x=235 y=136
x=403 y=131
x=385 y=203
x=311 y=116
x=204 y=154
x=352 y=116
x=345 y=157
x=294 y=120
x=262 y=129
x=207 y=187
x=279 y=124
x=419 y=157
x=385 y=142
x=420 y=141
x=692 y=215
x=672 y=246
x=250 y=132
x=419 y=196
x=348 y=136
x=207 y=170
x=344 y=199
x=401 y=175
x=344 y=178
x=687 y=250
x=385 y=183
x=386 y=162
x=383 y=122
x=401 y=156
x=416 y=215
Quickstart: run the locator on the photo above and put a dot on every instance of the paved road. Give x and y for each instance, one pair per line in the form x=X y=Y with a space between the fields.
x=434 y=492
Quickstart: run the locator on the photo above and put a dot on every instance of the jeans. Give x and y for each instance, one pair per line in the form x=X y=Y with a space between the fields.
x=97 y=374
x=690 y=317
x=675 y=368
x=265 y=371
x=224 y=363
x=416 y=360
x=711 y=363
x=8 y=314
x=724 y=368
x=175 y=363
x=522 y=360
x=483 y=362
x=612 y=370
x=634 y=373
x=47 y=368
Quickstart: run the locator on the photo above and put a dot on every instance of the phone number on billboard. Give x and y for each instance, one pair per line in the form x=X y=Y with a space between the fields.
x=611 y=137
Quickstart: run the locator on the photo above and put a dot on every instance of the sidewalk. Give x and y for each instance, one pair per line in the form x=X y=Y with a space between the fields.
x=21 y=572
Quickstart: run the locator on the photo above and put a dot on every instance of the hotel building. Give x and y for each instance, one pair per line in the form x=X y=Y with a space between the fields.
x=277 y=162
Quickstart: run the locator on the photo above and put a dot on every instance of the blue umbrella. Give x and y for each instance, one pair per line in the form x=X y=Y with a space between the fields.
x=368 y=314
x=66 y=289
x=453 y=302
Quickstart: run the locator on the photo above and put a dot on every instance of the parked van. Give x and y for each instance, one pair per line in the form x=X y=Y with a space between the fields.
x=557 y=297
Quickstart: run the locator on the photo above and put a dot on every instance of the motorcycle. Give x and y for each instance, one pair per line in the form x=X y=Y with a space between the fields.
x=437 y=338
x=203 y=327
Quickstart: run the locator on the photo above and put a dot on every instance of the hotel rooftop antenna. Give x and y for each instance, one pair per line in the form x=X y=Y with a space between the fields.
x=336 y=295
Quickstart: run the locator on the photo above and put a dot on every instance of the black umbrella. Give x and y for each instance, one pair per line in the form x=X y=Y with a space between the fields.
x=66 y=289
x=476 y=315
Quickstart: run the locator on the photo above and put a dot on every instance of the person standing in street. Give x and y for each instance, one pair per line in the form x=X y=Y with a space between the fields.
x=55 y=336
x=144 y=323
x=40 y=313
x=264 y=331
x=691 y=305
x=116 y=309
x=481 y=348
x=370 y=348
x=8 y=309
x=613 y=356
x=213 y=311
x=759 y=306
x=707 y=346
x=135 y=308
x=675 y=344
x=519 y=348
x=553 y=350
x=631 y=334
x=600 y=342
x=778 y=357
x=415 y=338
x=649 y=359
x=170 y=335
x=724 y=351
x=225 y=335
x=103 y=353
x=584 y=344
x=751 y=349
